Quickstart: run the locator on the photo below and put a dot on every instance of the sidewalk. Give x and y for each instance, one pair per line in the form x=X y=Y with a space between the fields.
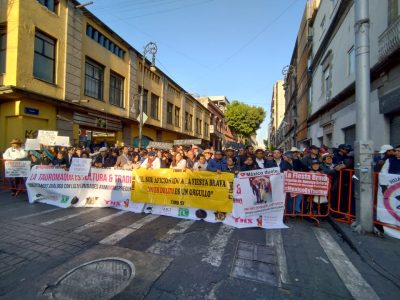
x=381 y=254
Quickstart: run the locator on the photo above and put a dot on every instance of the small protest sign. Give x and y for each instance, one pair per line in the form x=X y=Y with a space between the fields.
x=32 y=144
x=80 y=166
x=306 y=183
x=47 y=137
x=62 y=141
x=17 y=168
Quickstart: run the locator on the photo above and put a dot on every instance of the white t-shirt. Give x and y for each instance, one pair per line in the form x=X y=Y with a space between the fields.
x=14 y=154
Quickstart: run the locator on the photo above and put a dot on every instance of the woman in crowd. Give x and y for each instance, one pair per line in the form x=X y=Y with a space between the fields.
x=318 y=201
x=249 y=164
x=231 y=166
x=201 y=163
x=178 y=163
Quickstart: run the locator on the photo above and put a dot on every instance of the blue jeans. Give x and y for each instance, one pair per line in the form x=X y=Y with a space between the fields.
x=297 y=203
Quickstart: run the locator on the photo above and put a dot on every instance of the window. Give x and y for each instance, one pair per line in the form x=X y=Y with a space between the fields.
x=50 y=4
x=145 y=95
x=177 y=116
x=393 y=11
x=187 y=121
x=103 y=41
x=154 y=106
x=349 y=135
x=199 y=126
x=196 y=129
x=116 y=90
x=44 y=57
x=3 y=46
x=94 y=74
x=206 y=126
x=170 y=106
x=190 y=122
x=351 y=66
x=326 y=83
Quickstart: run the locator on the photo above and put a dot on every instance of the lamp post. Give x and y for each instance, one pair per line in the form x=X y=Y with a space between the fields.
x=152 y=49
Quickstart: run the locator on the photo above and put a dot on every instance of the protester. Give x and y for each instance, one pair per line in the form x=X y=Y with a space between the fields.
x=231 y=166
x=123 y=159
x=208 y=154
x=190 y=159
x=318 y=201
x=277 y=161
x=296 y=160
x=241 y=157
x=249 y=164
x=15 y=152
x=103 y=160
x=35 y=158
x=392 y=165
x=152 y=162
x=260 y=160
x=70 y=155
x=386 y=152
x=178 y=163
x=60 y=160
x=218 y=163
x=313 y=155
x=341 y=155
x=230 y=152
x=201 y=164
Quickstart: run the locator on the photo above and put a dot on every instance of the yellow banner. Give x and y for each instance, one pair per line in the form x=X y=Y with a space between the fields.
x=198 y=189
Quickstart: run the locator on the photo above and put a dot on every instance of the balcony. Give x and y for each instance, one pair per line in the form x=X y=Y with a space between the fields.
x=215 y=131
x=389 y=40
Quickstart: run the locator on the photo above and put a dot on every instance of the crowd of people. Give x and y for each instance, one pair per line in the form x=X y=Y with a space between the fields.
x=312 y=159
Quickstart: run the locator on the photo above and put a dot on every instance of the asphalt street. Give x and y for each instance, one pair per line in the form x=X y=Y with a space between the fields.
x=157 y=257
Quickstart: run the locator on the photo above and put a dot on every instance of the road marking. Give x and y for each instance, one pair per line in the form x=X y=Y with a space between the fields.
x=274 y=239
x=37 y=214
x=124 y=232
x=217 y=246
x=171 y=242
x=351 y=278
x=99 y=221
x=86 y=211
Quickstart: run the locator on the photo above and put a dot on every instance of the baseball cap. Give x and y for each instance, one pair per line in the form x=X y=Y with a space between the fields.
x=315 y=161
x=385 y=148
x=152 y=153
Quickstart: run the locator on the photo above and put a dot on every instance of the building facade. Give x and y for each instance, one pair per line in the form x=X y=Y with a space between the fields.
x=63 y=69
x=333 y=114
x=277 y=112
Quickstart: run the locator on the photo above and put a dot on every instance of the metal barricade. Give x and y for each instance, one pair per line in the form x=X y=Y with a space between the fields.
x=342 y=205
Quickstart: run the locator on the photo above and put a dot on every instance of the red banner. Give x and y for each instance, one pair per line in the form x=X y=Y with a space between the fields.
x=306 y=183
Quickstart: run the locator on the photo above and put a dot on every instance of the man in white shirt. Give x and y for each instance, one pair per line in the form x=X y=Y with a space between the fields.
x=151 y=162
x=15 y=152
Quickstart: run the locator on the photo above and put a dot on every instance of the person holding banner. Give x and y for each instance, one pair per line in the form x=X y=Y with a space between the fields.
x=123 y=159
x=152 y=162
x=15 y=152
x=217 y=164
x=320 y=201
x=103 y=160
x=178 y=163
x=60 y=160
x=201 y=164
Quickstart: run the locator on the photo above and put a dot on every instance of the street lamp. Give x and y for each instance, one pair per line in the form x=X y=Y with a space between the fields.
x=152 y=49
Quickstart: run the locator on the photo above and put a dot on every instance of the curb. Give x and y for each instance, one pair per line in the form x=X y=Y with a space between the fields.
x=343 y=235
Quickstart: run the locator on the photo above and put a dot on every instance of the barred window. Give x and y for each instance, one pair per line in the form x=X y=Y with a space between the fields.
x=94 y=77
x=177 y=116
x=116 y=90
x=44 y=57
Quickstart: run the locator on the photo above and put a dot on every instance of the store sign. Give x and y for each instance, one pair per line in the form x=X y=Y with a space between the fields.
x=31 y=111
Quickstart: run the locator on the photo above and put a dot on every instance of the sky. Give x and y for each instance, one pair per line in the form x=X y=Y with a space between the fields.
x=235 y=48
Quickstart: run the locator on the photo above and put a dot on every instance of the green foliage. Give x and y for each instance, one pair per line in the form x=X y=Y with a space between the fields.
x=244 y=119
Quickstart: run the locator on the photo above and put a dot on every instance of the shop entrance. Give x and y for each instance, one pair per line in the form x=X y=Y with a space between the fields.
x=96 y=138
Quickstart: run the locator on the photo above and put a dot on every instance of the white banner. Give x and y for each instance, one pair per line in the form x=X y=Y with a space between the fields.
x=112 y=188
x=80 y=166
x=259 y=199
x=102 y=188
x=46 y=137
x=388 y=206
x=62 y=141
x=32 y=144
x=17 y=168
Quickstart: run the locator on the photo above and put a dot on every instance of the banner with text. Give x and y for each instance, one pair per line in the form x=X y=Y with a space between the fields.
x=258 y=199
x=206 y=190
x=17 y=168
x=101 y=188
x=306 y=183
x=388 y=206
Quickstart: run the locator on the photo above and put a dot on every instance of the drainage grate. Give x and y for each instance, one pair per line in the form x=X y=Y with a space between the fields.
x=98 y=279
x=255 y=262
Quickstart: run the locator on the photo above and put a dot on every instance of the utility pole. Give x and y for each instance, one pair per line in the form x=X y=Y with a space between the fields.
x=363 y=144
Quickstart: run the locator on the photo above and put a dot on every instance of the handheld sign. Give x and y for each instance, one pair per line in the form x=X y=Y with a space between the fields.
x=46 y=137
x=80 y=166
x=32 y=144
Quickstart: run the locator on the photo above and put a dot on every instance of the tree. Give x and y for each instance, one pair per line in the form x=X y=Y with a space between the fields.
x=244 y=119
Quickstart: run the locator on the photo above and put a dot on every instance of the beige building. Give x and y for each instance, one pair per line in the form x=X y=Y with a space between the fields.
x=63 y=69
x=277 y=111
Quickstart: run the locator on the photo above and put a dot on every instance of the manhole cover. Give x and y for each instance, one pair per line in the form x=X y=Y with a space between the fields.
x=97 y=279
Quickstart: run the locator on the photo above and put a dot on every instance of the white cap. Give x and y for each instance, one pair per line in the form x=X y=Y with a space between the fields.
x=385 y=148
x=103 y=149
